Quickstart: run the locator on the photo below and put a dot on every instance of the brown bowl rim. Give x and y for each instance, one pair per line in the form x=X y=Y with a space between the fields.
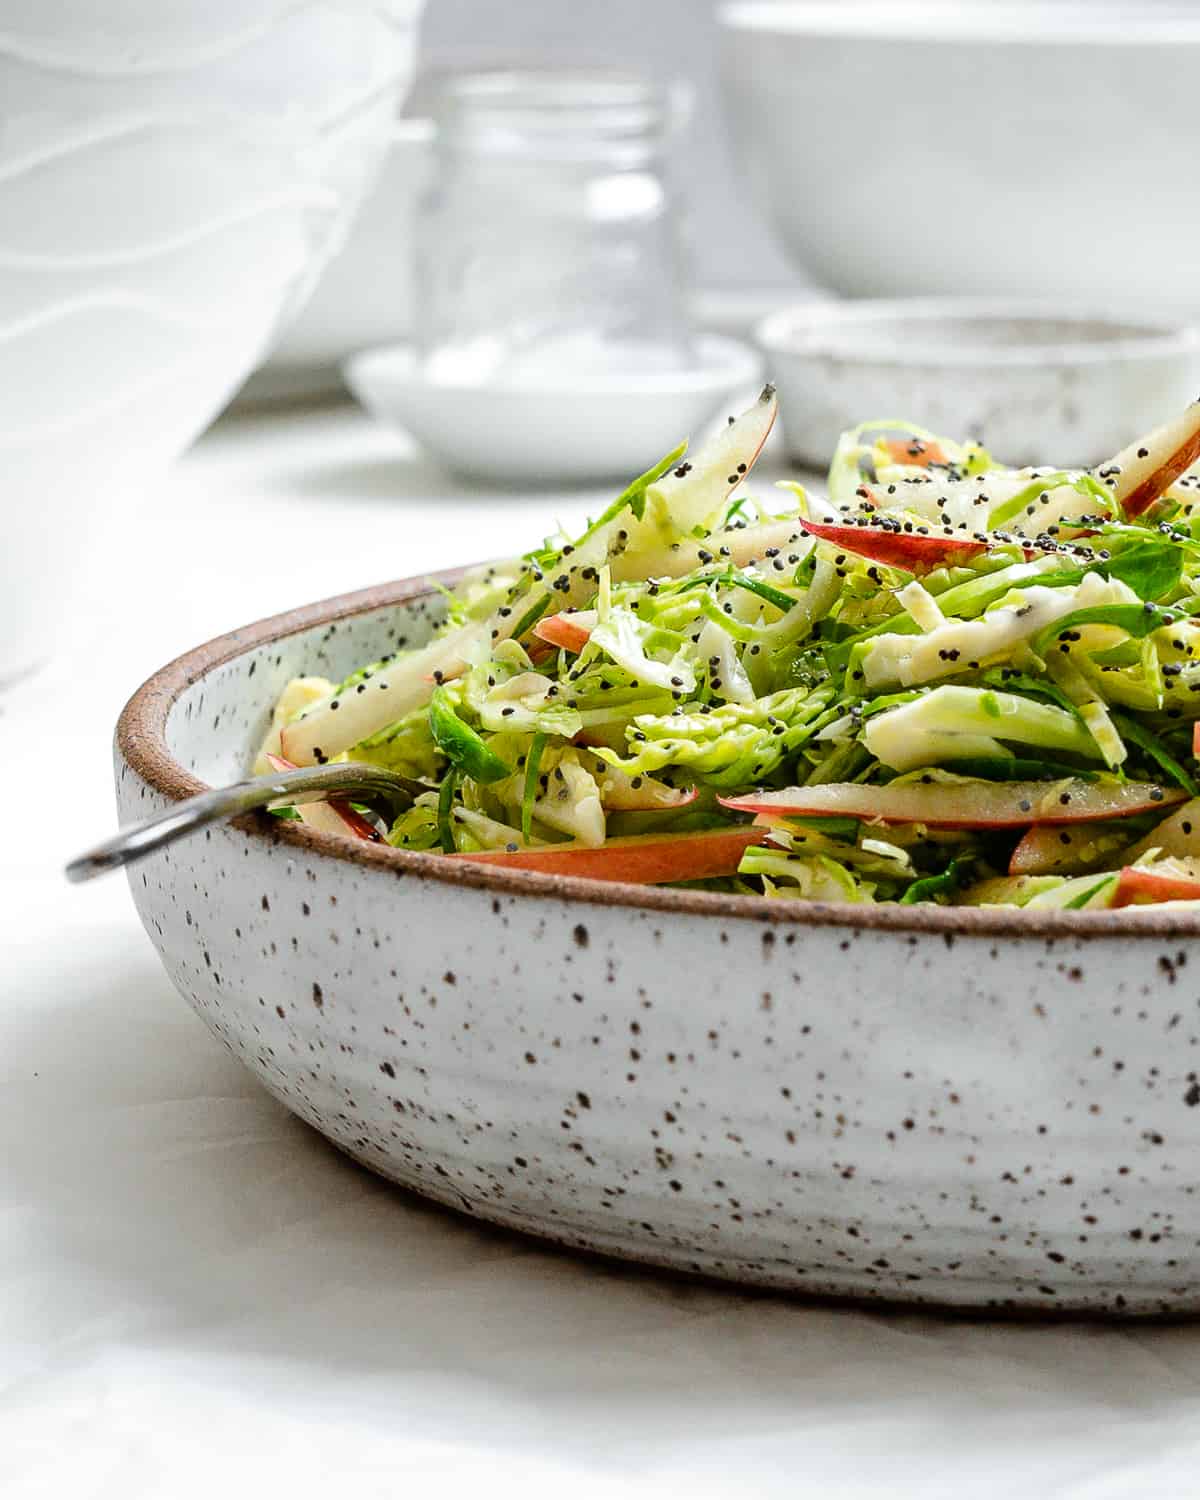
x=141 y=743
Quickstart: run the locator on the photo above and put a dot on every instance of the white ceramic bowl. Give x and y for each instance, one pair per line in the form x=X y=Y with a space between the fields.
x=574 y=429
x=1027 y=150
x=365 y=294
x=920 y=1104
x=170 y=177
x=1035 y=385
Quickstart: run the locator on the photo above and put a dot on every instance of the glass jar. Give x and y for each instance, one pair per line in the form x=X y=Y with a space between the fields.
x=550 y=240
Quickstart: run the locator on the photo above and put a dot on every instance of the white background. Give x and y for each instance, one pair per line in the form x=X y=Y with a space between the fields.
x=197 y=1296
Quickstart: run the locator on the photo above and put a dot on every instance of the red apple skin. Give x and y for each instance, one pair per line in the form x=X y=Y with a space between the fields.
x=910 y=550
x=1196 y=740
x=562 y=630
x=353 y=823
x=901 y=451
x=647 y=859
x=1051 y=849
x=1137 y=886
x=1157 y=485
x=1150 y=466
x=1001 y=804
x=701 y=485
x=1041 y=852
x=356 y=825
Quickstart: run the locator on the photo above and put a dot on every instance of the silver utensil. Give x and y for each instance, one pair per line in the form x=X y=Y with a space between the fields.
x=308 y=784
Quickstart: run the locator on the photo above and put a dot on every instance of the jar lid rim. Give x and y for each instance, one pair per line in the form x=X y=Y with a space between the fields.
x=564 y=108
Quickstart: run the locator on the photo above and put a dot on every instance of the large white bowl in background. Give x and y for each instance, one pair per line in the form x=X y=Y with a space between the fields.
x=365 y=294
x=1028 y=150
x=170 y=178
x=1036 y=383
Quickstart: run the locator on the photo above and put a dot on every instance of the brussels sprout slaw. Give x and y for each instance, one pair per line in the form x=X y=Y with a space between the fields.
x=946 y=681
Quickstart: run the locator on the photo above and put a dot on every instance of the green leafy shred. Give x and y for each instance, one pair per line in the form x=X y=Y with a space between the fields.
x=533 y=761
x=1155 y=749
x=445 y=811
x=941 y=887
x=463 y=748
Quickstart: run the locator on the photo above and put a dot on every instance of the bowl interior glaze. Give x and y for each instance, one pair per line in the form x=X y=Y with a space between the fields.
x=214 y=725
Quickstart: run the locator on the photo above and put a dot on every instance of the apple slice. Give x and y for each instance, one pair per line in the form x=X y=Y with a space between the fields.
x=571 y=630
x=620 y=792
x=344 y=719
x=949 y=804
x=914 y=551
x=647 y=859
x=1151 y=464
x=738 y=547
x=332 y=815
x=1142 y=885
x=692 y=494
x=1050 y=849
x=1177 y=835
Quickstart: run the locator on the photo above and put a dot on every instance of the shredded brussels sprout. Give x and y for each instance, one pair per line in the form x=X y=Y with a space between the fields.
x=949 y=681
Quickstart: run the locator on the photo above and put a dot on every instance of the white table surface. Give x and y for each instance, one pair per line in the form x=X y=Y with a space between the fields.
x=195 y=1292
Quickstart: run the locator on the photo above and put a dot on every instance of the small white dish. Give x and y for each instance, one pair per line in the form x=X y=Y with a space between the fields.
x=365 y=295
x=576 y=430
x=1035 y=383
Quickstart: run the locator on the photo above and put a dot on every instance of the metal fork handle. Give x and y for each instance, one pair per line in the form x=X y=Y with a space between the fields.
x=308 y=784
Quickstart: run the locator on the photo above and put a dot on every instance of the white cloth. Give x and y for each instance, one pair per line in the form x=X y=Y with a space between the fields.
x=198 y=1296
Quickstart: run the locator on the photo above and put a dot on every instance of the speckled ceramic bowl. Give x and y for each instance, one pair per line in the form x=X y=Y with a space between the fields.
x=968 y=1108
x=1037 y=383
